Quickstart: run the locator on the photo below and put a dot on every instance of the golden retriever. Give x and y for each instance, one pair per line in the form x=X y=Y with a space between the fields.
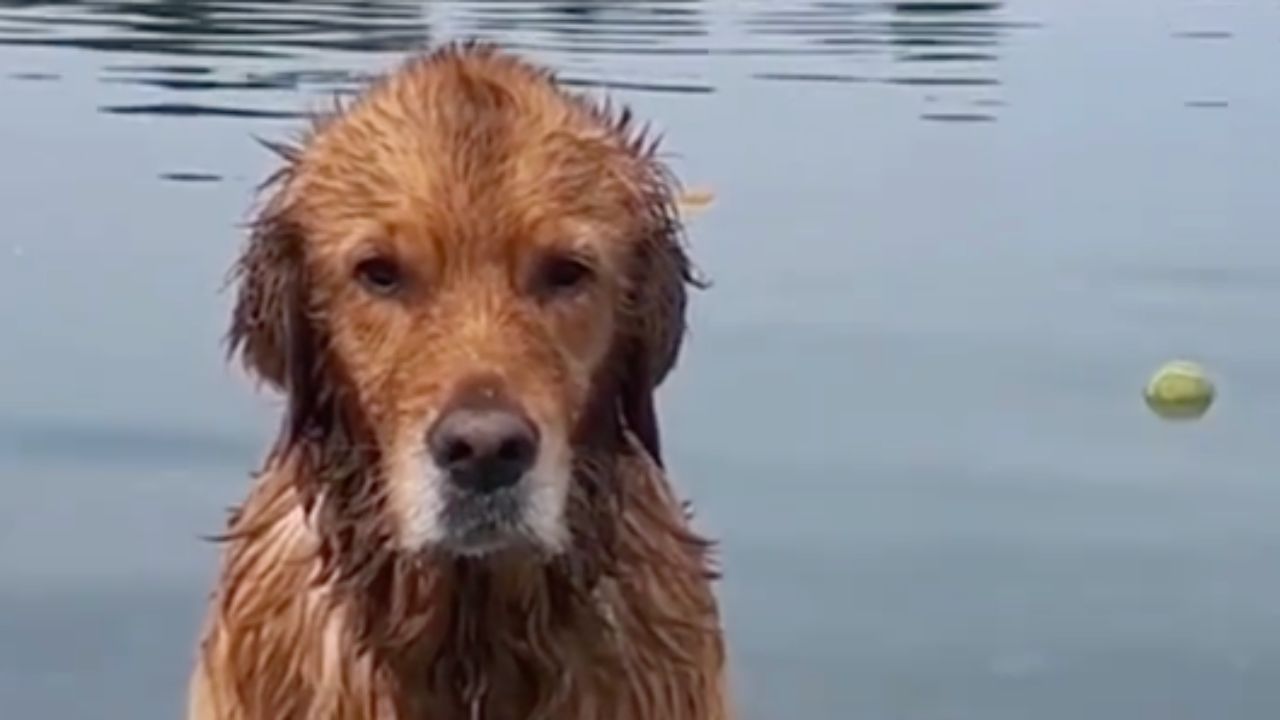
x=468 y=285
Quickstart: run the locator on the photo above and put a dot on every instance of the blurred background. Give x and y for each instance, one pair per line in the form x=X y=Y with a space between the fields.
x=950 y=241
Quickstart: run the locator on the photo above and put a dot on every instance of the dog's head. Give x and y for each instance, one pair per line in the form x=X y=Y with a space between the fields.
x=476 y=281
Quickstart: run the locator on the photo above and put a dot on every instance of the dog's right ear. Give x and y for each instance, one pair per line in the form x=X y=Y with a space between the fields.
x=271 y=329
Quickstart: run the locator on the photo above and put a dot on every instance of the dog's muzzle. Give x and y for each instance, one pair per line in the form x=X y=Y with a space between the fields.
x=485 y=447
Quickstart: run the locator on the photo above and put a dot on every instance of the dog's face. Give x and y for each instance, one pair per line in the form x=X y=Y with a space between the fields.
x=484 y=272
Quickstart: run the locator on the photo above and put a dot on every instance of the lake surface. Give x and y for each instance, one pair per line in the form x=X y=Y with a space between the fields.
x=951 y=240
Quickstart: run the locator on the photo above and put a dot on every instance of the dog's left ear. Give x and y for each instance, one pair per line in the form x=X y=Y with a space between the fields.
x=660 y=275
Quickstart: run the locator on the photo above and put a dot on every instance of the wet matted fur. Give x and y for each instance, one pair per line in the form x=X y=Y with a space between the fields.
x=329 y=604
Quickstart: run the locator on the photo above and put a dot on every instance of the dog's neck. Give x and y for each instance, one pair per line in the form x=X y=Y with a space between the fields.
x=510 y=628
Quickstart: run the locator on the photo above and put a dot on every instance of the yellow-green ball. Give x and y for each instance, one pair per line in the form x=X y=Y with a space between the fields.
x=1180 y=390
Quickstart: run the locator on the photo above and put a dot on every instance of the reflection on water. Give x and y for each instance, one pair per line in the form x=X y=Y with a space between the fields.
x=949 y=49
x=218 y=28
x=602 y=26
x=223 y=45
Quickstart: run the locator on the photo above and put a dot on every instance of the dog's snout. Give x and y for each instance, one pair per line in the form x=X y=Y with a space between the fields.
x=483 y=449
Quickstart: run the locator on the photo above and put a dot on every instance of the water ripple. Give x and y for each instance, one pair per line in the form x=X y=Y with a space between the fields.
x=275 y=50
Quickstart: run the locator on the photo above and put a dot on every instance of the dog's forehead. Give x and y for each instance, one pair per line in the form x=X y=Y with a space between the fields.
x=528 y=183
x=510 y=213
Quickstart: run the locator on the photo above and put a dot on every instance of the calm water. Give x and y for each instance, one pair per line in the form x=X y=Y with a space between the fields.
x=950 y=242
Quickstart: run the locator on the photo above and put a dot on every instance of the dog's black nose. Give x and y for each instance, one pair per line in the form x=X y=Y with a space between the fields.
x=483 y=449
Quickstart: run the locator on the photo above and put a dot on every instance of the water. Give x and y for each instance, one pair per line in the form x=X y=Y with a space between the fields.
x=951 y=239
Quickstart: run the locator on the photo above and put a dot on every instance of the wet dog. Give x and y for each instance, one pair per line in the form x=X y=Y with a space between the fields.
x=468 y=285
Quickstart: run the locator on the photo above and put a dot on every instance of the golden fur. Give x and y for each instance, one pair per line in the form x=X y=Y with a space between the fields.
x=469 y=170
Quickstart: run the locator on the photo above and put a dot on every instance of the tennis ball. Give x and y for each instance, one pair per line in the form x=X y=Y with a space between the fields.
x=1179 y=390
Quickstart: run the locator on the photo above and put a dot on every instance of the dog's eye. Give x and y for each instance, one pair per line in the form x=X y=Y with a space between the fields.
x=562 y=274
x=379 y=275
